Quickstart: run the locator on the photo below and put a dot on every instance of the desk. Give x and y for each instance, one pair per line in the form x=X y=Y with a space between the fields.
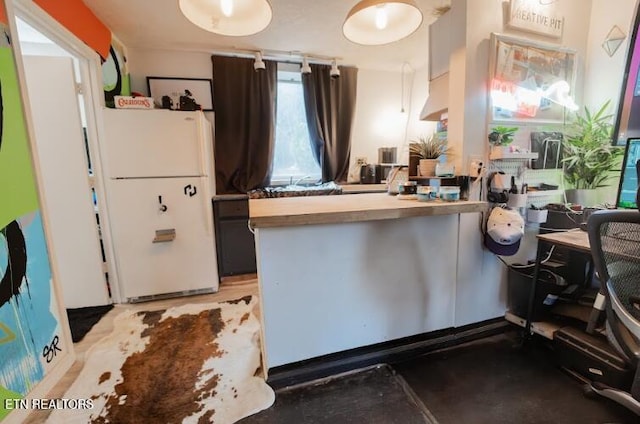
x=577 y=240
x=573 y=239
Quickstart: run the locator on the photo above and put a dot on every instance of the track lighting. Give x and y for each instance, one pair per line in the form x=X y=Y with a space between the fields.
x=305 y=68
x=335 y=72
x=259 y=63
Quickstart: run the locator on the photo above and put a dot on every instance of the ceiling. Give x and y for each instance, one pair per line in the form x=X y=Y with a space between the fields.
x=312 y=27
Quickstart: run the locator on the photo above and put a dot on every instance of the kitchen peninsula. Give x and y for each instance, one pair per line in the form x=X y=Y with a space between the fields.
x=341 y=272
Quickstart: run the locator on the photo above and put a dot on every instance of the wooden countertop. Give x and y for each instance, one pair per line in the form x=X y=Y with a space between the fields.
x=292 y=211
x=223 y=197
x=575 y=239
x=363 y=188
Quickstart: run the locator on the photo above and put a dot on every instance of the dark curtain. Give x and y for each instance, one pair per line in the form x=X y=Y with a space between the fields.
x=330 y=105
x=245 y=120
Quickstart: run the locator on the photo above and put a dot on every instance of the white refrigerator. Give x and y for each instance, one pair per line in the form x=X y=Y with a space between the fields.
x=159 y=182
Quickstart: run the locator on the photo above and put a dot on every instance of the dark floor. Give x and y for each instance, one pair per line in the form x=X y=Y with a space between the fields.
x=495 y=381
x=489 y=381
x=82 y=320
x=373 y=396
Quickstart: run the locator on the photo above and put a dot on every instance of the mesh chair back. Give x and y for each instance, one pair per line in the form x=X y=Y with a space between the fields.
x=615 y=244
x=614 y=237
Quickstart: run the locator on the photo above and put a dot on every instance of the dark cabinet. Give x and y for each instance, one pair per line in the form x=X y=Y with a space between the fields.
x=234 y=241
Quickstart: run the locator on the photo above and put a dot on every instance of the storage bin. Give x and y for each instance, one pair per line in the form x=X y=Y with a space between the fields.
x=519 y=288
x=537 y=216
x=450 y=194
x=517 y=200
x=427 y=193
x=592 y=357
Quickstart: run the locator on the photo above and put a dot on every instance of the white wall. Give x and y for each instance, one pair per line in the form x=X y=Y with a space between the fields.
x=598 y=89
x=379 y=122
x=603 y=17
x=473 y=21
x=166 y=63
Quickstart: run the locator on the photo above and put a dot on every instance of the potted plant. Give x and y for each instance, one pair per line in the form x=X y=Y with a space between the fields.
x=588 y=156
x=501 y=137
x=428 y=150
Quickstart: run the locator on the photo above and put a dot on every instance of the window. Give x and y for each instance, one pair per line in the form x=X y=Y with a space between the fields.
x=293 y=159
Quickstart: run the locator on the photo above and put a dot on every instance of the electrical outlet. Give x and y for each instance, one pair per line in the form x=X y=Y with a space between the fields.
x=476 y=164
x=361 y=161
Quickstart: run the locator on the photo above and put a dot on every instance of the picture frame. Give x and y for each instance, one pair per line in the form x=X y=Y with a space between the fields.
x=200 y=89
x=530 y=81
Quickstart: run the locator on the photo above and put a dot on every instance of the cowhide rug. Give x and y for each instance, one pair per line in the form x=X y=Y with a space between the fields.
x=190 y=364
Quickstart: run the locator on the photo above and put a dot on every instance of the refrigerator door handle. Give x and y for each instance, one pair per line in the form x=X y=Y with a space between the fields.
x=201 y=149
x=207 y=207
x=163 y=207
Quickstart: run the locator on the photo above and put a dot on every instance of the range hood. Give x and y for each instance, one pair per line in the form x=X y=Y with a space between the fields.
x=438 y=100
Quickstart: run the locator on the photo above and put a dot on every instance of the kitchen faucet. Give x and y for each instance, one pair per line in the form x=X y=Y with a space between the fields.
x=301 y=179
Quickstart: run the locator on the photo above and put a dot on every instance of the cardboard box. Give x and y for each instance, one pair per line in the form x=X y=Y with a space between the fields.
x=130 y=102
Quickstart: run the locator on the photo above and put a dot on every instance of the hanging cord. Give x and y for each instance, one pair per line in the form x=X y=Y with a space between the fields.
x=409 y=99
x=527 y=265
x=402 y=87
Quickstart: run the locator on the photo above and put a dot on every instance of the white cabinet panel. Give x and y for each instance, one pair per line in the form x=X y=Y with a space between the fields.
x=186 y=263
x=329 y=288
x=153 y=143
x=439 y=46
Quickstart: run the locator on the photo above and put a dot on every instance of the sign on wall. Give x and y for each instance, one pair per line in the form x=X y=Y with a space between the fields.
x=31 y=338
x=540 y=17
x=530 y=81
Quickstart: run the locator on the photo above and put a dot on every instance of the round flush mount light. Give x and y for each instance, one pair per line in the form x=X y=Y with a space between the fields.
x=228 y=17
x=377 y=22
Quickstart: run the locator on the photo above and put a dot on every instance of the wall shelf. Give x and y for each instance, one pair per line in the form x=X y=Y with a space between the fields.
x=542 y=328
x=499 y=154
x=542 y=193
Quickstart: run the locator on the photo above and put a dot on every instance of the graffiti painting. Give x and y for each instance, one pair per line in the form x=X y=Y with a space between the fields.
x=30 y=333
x=115 y=73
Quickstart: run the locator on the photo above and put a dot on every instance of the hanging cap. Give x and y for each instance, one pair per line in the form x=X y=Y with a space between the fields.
x=505 y=228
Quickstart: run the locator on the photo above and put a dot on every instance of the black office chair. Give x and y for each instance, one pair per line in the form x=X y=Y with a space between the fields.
x=614 y=236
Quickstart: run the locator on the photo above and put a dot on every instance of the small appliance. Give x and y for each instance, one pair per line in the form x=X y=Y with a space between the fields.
x=398 y=174
x=384 y=170
x=369 y=174
x=387 y=155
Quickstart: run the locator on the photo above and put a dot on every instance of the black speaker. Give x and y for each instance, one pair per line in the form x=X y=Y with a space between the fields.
x=496 y=196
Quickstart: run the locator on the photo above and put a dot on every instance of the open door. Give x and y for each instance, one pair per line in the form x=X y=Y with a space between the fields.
x=69 y=203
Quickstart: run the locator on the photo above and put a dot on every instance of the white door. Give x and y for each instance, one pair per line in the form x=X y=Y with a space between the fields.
x=67 y=191
x=162 y=232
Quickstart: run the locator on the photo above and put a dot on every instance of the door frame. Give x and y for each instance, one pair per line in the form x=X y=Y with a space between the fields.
x=91 y=75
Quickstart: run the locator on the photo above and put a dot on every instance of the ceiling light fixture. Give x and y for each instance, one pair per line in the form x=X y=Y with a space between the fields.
x=259 y=63
x=228 y=17
x=376 y=22
x=334 y=72
x=305 y=68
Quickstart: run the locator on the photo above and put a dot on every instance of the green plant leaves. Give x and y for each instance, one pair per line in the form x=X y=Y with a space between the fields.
x=502 y=136
x=429 y=148
x=589 y=156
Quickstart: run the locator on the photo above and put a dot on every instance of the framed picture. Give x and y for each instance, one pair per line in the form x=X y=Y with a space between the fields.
x=530 y=81
x=181 y=93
